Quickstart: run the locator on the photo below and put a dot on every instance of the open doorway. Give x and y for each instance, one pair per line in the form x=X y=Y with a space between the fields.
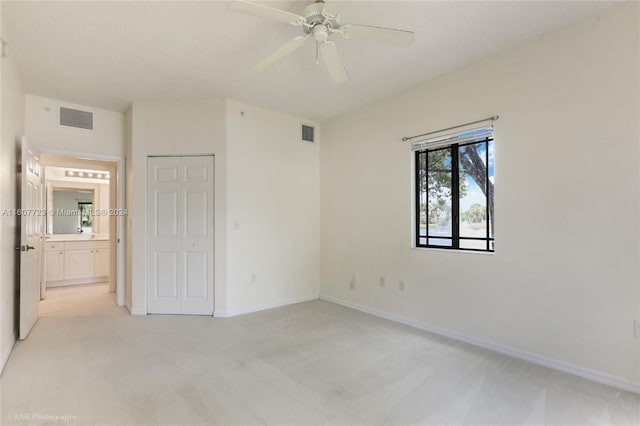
x=81 y=253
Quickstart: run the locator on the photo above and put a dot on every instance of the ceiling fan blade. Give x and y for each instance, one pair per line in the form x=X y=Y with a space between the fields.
x=279 y=53
x=398 y=38
x=262 y=11
x=333 y=62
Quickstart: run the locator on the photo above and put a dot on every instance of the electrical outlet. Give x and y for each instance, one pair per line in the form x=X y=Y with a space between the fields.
x=636 y=329
x=352 y=284
x=401 y=285
x=381 y=281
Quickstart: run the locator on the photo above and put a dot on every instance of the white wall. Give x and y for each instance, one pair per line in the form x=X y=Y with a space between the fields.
x=564 y=281
x=174 y=128
x=266 y=198
x=128 y=203
x=106 y=140
x=272 y=209
x=44 y=130
x=12 y=128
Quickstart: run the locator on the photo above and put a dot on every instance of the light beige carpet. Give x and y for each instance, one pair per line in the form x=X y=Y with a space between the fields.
x=89 y=362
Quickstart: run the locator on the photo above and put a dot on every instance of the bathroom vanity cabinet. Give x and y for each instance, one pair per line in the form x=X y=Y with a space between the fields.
x=76 y=262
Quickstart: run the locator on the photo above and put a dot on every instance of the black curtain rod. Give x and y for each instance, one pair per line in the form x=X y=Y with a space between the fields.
x=492 y=118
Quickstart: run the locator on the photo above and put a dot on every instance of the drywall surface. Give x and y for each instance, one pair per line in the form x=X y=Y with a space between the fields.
x=128 y=185
x=173 y=128
x=12 y=128
x=272 y=209
x=44 y=130
x=266 y=179
x=564 y=280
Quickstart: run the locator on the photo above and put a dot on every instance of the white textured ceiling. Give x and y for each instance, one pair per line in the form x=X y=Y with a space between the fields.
x=108 y=54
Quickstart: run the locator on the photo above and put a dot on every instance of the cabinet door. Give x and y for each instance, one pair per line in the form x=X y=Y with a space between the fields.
x=54 y=265
x=78 y=264
x=101 y=262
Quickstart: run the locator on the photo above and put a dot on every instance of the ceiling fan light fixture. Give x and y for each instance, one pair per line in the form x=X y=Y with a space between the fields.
x=320 y=33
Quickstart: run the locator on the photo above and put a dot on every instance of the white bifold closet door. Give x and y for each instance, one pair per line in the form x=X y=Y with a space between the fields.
x=180 y=235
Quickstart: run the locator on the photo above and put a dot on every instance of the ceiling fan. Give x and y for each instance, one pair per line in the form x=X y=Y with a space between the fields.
x=320 y=24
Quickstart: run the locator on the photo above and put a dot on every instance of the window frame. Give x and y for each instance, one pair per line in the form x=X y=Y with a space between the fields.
x=455 y=195
x=81 y=208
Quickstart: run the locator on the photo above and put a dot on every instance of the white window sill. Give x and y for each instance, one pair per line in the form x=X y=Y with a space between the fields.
x=490 y=253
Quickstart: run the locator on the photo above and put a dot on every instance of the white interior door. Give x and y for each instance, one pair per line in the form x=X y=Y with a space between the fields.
x=180 y=235
x=31 y=234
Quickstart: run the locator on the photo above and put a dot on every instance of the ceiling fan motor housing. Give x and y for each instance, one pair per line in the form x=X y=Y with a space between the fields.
x=318 y=24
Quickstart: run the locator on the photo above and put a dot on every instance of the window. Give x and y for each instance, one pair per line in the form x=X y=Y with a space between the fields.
x=85 y=222
x=454 y=192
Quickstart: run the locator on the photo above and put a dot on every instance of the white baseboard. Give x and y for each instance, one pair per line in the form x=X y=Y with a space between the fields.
x=52 y=284
x=544 y=361
x=135 y=311
x=222 y=314
x=5 y=356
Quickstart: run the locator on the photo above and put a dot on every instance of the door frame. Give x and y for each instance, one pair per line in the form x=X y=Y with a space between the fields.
x=120 y=204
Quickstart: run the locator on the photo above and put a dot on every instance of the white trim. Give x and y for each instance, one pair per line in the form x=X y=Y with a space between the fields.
x=6 y=355
x=120 y=246
x=121 y=240
x=596 y=376
x=81 y=155
x=79 y=281
x=223 y=314
x=490 y=253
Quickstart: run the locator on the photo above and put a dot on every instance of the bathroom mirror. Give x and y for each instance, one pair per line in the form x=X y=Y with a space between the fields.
x=70 y=211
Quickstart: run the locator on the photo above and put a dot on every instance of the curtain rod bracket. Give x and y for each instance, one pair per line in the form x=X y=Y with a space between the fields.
x=492 y=118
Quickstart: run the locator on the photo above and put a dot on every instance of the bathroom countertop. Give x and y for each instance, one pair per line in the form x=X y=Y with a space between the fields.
x=68 y=238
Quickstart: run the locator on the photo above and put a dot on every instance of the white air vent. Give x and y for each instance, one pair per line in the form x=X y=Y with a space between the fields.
x=308 y=133
x=75 y=118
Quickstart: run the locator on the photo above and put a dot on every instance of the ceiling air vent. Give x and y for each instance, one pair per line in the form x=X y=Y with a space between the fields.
x=308 y=133
x=75 y=118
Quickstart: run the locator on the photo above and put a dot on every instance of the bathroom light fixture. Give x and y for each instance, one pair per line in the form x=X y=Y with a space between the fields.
x=87 y=174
